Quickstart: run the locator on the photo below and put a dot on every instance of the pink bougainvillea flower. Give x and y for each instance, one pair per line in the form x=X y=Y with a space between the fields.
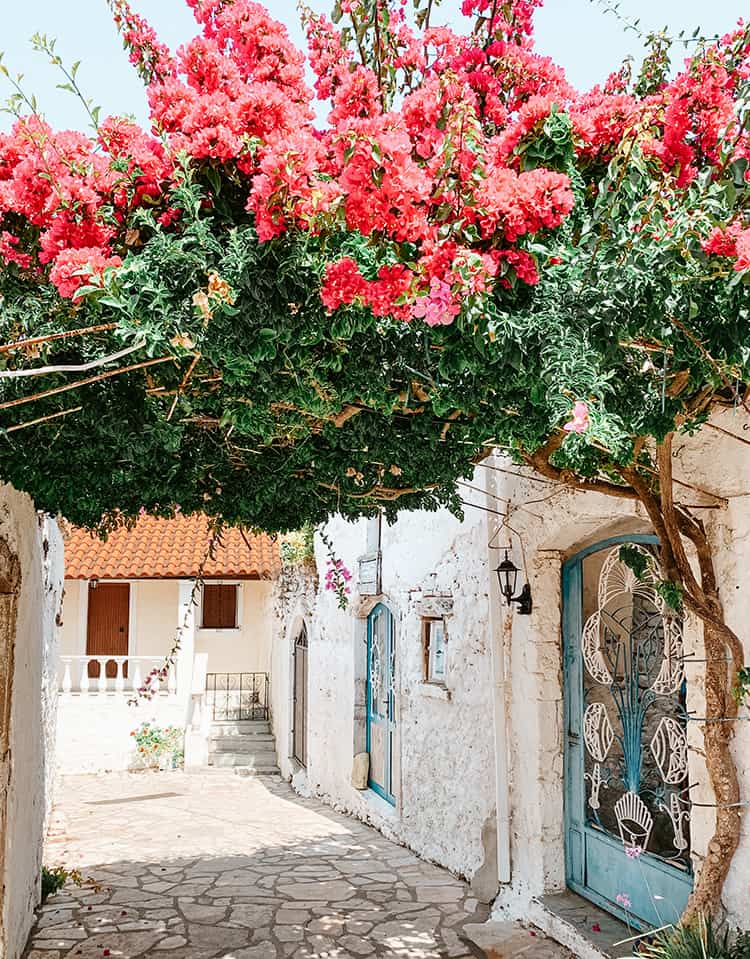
x=438 y=308
x=623 y=900
x=580 y=421
x=596 y=927
x=633 y=852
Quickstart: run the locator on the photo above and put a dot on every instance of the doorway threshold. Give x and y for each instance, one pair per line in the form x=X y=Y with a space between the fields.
x=588 y=931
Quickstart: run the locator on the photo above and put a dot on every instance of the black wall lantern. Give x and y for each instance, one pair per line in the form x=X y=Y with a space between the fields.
x=507 y=574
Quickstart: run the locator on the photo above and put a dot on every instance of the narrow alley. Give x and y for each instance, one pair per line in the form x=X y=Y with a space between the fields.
x=215 y=865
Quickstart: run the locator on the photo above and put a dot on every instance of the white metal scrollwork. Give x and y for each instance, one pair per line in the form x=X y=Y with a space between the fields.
x=678 y=816
x=597 y=731
x=634 y=820
x=615 y=579
x=669 y=747
x=672 y=670
x=598 y=736
x=592 y=651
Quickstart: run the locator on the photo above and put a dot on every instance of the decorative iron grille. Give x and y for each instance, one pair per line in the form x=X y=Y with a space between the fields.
x=237 y=697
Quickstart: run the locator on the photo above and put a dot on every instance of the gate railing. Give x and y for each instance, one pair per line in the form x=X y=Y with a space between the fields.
x=237 y=697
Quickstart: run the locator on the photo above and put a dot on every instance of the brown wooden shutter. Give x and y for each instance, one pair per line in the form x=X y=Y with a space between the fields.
x=219 y=606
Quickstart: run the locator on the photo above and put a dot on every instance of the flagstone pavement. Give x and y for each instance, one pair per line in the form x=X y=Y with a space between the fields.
x=210 y=864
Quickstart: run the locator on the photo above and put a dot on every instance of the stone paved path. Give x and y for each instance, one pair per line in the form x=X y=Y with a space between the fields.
x=213 y=865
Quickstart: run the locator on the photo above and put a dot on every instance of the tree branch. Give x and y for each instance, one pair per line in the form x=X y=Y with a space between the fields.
x=71 y=368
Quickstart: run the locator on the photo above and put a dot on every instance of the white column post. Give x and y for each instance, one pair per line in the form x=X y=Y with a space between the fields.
x=186 y=625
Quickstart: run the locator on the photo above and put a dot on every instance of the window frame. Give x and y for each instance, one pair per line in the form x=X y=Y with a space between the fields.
x=428 y=650
x=237 y=587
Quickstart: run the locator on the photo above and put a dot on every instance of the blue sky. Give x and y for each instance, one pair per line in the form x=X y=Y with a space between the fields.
x=577 y=33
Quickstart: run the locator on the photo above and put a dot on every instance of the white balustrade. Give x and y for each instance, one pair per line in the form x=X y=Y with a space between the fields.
x=125 y=675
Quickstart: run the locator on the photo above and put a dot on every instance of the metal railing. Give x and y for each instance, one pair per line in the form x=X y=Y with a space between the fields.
x=237 y=697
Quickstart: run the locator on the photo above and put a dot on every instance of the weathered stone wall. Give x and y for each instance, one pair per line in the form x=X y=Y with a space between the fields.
x=36 y=542
x=293 y=603
x=552 y=530
x=444 y=753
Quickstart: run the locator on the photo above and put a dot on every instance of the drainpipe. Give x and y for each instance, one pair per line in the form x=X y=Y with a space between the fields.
x=501 y=629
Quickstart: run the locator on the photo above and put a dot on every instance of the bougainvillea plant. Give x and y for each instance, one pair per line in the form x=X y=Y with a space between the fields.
x=248 y=312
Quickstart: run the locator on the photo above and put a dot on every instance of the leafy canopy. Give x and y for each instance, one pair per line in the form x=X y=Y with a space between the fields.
x=282 y=322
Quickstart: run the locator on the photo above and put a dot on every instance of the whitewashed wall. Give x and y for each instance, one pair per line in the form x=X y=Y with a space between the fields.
x=556 y=529
x=445 y=757
x=446 y=754
x=38 y=545
x=94 y=731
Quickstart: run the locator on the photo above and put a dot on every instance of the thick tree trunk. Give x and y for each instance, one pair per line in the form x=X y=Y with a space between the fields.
x=717 y=735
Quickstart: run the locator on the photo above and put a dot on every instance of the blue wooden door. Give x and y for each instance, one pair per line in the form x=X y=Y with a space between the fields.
x=627 y=803
x=381 y=704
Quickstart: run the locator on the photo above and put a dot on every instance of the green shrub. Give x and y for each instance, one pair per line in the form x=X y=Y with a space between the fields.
x=699 y=940
x=156 y=742
x=54 y=879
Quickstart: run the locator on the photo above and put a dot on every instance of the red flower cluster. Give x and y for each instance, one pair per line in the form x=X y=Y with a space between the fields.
x=241 y=79
x=344 y=284
x=76 y=268
x=733 y=242
x=429 y=152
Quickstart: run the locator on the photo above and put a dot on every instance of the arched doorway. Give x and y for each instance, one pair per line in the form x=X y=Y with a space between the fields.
x=10 y=582
x=381 y=702
x=627 y=807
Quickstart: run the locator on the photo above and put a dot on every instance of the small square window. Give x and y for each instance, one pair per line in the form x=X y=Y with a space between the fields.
x=434 y=648
x=219 y=607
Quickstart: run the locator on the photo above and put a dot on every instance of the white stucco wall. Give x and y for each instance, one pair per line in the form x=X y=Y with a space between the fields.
x=247 y=648
x=444 y=742
x=708 y=463
x=94 y=731
x=38 y=545
x=446 y=753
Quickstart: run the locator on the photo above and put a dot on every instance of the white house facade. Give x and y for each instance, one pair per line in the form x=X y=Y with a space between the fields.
x=128 y=600
x=551 y=754
x=398 y=723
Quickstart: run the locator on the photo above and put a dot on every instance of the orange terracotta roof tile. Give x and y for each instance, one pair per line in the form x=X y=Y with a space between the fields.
x=169 y=549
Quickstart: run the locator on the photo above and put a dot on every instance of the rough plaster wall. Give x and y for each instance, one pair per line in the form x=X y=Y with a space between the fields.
x=71 y=612
x=247 y=649
x=563 y=525
x=291 y=603
x=38 y=545
x=443 y=744
x=156 y=616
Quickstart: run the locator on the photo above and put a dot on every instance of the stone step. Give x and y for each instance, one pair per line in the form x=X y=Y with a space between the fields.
x=248 y=771
x=242 y=744
x=249 y=728
x=261 y=763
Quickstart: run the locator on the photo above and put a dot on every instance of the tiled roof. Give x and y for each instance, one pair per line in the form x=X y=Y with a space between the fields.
x=169 y=549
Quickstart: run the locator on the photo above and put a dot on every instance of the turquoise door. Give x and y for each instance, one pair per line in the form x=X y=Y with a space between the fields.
x=627 y=806
x=381 y=704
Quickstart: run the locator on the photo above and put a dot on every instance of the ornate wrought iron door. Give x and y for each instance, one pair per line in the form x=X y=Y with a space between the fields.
x=381 y=701
x=626 y=759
